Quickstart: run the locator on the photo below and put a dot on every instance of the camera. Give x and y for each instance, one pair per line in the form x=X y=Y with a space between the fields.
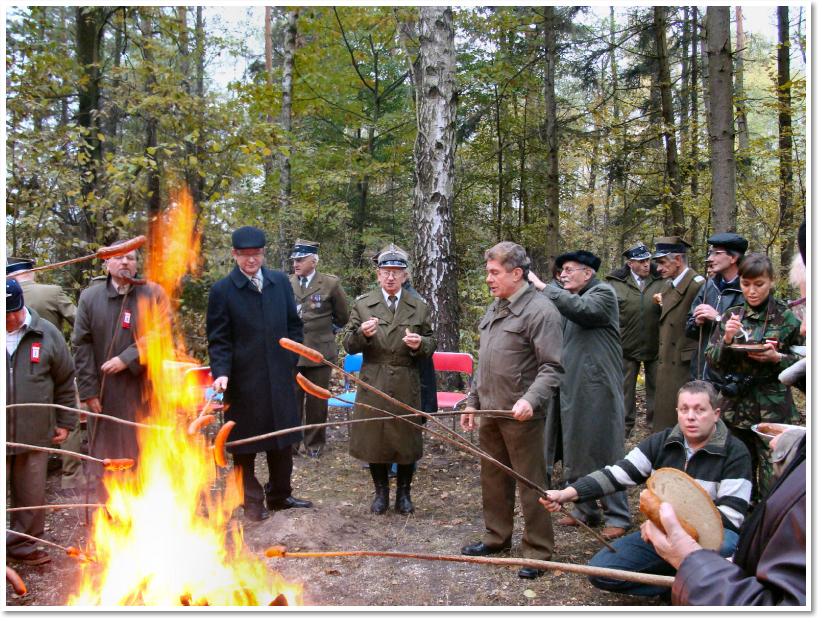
x=736 y=385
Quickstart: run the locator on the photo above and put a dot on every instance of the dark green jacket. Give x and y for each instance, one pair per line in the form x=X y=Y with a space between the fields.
x=49 y=380
x=322 y=306
x=638 y=314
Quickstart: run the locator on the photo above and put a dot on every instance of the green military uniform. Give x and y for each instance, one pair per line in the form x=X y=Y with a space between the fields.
x=760 y=396
x=322 y=305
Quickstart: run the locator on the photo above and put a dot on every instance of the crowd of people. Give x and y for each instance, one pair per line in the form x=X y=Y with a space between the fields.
x=717 y=354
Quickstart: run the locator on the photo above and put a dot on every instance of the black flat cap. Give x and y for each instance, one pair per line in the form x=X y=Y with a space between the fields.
x=248 y=237
x=670 y=244
x=14 y=296
x=638 y=252
x=729 y=241
x=586 y=258
x=16 y=264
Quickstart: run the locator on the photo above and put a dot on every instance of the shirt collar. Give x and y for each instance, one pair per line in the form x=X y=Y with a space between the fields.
x=678 y=280
x=386 y=294
x=637 y=278
x=309 y=278
x=517 y=294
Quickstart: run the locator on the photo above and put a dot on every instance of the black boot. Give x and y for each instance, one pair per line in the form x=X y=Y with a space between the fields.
x=379 y=473
x=405 y=473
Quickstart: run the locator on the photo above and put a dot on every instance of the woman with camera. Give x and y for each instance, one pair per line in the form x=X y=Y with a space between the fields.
x=750 y=346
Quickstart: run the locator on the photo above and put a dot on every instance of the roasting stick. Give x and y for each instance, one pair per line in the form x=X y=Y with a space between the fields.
x=610 y=573
x=89 y=413
x=105 y=252
x=71 y=551
x=110 y=464
x=56 y=506
x=317 y=357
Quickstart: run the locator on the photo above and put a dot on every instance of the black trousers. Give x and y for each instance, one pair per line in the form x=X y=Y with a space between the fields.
x=280 y=464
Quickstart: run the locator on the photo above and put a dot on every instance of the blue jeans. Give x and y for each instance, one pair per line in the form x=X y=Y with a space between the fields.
x=633 y=553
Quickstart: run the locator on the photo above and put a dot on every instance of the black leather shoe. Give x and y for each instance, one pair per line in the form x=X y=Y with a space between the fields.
x=286 y=504
x=479 y=549
x=256 y=513
x=526 y=572
x=380 y=503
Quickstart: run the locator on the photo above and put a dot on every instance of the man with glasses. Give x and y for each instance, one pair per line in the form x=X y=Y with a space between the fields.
x=676 y=349
x=717 y=295
x=591 y=427
x=392 y=329
x=248 y=312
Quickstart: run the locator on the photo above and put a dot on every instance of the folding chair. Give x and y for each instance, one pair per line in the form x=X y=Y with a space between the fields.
x=460 y=362
x=352 y=364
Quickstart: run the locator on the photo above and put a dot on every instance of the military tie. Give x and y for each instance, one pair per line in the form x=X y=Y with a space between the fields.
x=392 y=304
x=257 y=283
x=303 y=282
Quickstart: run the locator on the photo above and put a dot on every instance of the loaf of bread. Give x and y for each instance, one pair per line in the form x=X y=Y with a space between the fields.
x=693 y=506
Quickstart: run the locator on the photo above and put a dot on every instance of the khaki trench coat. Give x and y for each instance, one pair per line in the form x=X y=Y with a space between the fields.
x=675 y=348
x=391 y=366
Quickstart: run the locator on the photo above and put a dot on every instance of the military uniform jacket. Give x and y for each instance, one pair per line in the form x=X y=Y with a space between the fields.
x=322 y=305
x=675 y=348
x=767 y=399
x=40 y=371
x=638 y=314
x=50 y=302
x=391 y=366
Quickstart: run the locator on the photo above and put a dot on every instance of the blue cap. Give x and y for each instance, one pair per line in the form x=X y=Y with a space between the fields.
x=248 y=237
x=14 y=296
x=637 y=252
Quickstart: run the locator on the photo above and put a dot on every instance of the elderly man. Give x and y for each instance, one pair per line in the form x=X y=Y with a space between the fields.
x=635 y=285
x=110 y=377
x=392 y=329
x=717 y=295
x=38 y=369
x=519 y=370
x=701 y=445
x=323 y=308
x=248 y=312
x=591 y=425
x=676 y=348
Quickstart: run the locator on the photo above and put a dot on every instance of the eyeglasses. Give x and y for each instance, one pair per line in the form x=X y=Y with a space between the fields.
x=797 y=307
x=394 y=274
x=567 y=270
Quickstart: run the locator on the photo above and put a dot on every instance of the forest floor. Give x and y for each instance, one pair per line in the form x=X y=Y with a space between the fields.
x=446 y=493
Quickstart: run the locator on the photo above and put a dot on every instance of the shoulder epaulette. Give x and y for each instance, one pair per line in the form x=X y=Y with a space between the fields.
x=699 y=278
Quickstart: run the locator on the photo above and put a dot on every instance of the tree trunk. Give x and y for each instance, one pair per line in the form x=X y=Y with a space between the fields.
x=500 y=180
x=695 y=73
x=721 y=120
x=154 y=206
x=739 y=89
x=552 y=163
x=268 y=163
x=674 y=185
x=289 y=48
x=434 y=256
x=783 y=78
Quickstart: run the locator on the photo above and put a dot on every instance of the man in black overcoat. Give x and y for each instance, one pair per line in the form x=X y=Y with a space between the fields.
x=248 y=311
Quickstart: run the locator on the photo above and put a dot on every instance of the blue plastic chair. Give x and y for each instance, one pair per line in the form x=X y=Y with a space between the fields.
x=352 y=364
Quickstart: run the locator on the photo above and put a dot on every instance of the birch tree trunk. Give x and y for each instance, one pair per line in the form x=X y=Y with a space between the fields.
x=289 y=48
x=721 y=119
x=552 y=162
x=433 y=255
x=783 y=78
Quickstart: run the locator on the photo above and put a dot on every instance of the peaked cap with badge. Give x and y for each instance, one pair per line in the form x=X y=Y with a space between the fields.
x=304 y=248
x=637 y=252
x=670 y=244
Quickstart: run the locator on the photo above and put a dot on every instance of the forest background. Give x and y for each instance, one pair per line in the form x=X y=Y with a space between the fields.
x=443 y=130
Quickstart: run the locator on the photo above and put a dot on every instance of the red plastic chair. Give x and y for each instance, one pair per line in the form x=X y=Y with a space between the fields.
x=460 y=362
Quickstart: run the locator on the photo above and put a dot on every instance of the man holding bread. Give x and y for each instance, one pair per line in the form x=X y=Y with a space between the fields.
x=701 y=446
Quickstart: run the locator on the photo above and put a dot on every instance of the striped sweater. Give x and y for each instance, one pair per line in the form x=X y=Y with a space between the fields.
x=722 y=467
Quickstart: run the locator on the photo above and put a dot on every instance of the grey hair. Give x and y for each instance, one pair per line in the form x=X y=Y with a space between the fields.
x=511 y=255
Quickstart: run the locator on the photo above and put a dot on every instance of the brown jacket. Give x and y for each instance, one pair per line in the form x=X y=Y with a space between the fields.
x=520 y=355
x=391 y=366
x=322 y=305
x=675 y=348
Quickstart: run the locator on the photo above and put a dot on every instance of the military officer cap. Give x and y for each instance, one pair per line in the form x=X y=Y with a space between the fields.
x=392 y=256
x=729 y=241
x=16 y=264
x=671 y=244
x=586 y=258
x=248 y=237
x=14 y=296
x=304 y=248
x=637 y=252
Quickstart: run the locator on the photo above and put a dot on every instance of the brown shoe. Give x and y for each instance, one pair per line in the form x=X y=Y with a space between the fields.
x=567 y=521
x=611 y=533
x=35 y=558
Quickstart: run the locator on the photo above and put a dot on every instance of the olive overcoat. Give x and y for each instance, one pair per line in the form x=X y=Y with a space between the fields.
x=391 y=366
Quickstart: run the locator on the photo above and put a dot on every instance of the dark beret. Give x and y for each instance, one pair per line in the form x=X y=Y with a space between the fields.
x=586 y=258
x=248 y=237
x=729 y=241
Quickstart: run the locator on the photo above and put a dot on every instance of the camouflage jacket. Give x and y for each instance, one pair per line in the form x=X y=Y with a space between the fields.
x=761 y=397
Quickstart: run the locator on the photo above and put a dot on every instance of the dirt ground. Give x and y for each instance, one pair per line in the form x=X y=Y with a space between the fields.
x=448 y=515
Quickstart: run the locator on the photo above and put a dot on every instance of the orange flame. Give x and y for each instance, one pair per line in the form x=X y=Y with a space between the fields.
x=165 y=537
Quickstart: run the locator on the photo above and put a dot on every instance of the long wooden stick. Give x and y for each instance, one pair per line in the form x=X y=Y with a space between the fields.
x=610 y=573
x=89 y=413
x=56 y=506
x=110 y=464
x=71 y=551
x=105 y=252
x=454 y=438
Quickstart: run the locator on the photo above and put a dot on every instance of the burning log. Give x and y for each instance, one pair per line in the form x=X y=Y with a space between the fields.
x=279 y=551
x=453 y=437
x=16 y=582
x=109 y=464
x=104 y=252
